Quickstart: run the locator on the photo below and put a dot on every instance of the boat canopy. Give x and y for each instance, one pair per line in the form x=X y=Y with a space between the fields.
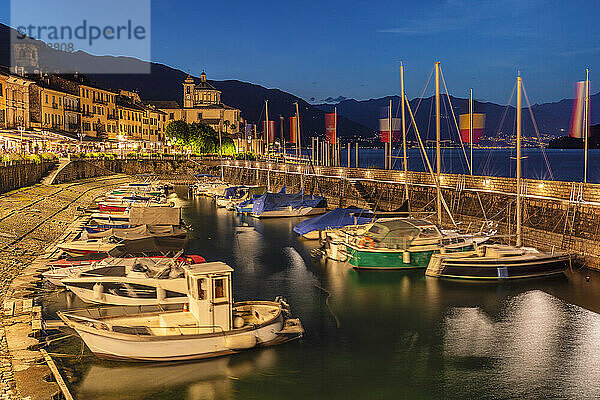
x=337 y=218
x=278 y=201
x=154 y=216
x=399 y=233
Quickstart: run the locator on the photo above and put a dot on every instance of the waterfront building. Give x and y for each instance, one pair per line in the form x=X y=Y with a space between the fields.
x=2 y=102
x=202 y=103
x=16 y=100
x=98 y=109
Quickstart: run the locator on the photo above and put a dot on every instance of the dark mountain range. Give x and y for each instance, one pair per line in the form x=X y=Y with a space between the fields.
x=355 y=118
x=551 y=118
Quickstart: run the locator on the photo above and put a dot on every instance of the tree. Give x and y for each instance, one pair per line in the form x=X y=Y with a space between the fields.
x=178 y=132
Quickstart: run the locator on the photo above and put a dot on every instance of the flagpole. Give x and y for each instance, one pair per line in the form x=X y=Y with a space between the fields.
x=404 y=131
x=297 y=133
x=437 y=140
x=471 y=129
x=586 y=123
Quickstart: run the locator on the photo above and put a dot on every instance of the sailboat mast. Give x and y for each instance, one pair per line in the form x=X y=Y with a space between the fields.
x=586 y=123
x=471 y=129
x=437 y=142
x=403 y=132
x=519 y=205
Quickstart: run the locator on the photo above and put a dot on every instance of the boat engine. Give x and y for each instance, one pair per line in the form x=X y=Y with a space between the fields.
x=98 y=292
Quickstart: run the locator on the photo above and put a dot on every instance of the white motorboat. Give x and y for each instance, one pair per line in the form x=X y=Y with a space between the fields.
x=130 y=281
x=213 y=326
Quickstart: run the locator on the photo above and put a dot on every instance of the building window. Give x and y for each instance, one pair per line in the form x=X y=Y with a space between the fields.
x=199 y=116
x=46 y=99
x=171 y=115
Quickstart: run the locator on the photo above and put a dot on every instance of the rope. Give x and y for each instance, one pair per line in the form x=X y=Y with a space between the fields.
x=537 y=132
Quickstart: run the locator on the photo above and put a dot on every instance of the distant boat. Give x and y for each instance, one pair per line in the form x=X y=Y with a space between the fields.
x=214 y=325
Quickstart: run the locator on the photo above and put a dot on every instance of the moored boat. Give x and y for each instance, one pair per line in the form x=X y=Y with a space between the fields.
x=213 y=326
x=496 y=262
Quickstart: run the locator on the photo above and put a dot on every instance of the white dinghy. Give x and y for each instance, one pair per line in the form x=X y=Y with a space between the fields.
x=213 y=326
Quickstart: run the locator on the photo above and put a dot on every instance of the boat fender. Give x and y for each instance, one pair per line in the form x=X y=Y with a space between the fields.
x=406 y=257
x=161 y=294
x=185 y=307
x=366 y=241
x=98 y=291
x=238 y=322
x=240 y=342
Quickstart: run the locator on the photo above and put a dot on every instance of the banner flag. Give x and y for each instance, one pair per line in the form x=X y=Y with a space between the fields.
x=384 y=129
x=271 y=130
x=330 y=128
x=575 y=130
x=478 y=127
x=293 y=130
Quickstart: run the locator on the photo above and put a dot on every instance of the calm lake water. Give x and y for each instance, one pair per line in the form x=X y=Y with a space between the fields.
x=369 y=335
x=565 y=165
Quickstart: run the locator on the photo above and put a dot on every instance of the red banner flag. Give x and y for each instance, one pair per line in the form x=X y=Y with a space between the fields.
x=478 y=127
x=293 y=130
x=271 y=130
x=384 y=129
x=331 y=128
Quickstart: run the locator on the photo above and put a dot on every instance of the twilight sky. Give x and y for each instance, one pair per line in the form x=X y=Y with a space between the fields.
x=353 y=48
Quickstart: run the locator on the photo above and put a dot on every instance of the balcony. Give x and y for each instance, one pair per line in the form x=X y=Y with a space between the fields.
x=74 y=108
x=87 y=114
x=54 y=105
x=112 y=116
x=98 y=101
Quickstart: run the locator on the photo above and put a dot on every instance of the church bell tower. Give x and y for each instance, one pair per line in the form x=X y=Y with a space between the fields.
x=188 y=92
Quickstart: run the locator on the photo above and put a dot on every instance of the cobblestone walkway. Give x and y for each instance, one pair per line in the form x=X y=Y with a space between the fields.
x=30 y=220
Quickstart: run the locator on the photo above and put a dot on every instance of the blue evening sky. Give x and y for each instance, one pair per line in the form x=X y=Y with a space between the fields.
x=352 y=48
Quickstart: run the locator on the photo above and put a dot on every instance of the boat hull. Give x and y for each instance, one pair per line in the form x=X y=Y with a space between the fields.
x=390 y=260
x=500 y=270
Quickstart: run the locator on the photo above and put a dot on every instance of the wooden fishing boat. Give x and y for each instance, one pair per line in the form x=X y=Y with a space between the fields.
x=213 y=326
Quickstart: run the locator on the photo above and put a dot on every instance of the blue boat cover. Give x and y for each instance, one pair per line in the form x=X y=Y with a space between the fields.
x=283 y=189
x=232 y=192
x=204 y=176
x=337 y=218
x=278 y=201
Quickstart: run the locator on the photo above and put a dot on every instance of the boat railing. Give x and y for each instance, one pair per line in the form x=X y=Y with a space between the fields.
x=135 y=329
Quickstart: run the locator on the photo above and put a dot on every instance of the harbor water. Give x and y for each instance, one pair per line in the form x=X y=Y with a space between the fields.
x=549 y=164
x=369 y=334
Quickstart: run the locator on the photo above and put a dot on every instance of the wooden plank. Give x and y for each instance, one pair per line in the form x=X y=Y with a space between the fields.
x=9 y=308
x=27 y=305
x=59 y=380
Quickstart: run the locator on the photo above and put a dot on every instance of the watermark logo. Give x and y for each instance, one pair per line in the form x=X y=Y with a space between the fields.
x=54 y=36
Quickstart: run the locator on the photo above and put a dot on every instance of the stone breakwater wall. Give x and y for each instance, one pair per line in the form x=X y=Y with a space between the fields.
x=14 y=175
x=164 y=167
x=556 y=215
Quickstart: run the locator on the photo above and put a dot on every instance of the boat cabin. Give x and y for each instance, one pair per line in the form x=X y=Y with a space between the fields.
x=401 y=232
x=209 y=294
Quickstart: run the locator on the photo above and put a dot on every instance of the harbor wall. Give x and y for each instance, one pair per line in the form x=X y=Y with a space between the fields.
x=172 y=168
x=15 y=175
x=556 y=215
